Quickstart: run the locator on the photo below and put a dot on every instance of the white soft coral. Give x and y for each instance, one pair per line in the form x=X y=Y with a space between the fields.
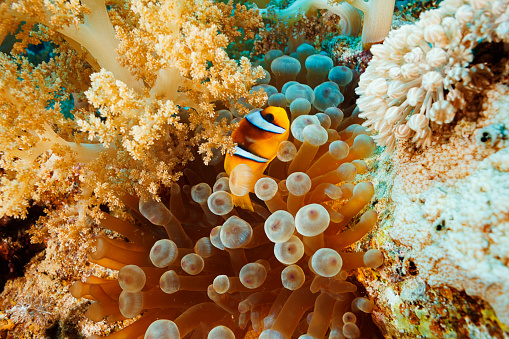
x=423 y=69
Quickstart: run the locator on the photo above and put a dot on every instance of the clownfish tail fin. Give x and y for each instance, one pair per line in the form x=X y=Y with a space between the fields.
x=243 y=202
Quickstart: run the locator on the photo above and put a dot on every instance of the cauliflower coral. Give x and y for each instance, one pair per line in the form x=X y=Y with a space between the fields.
x=423 y=74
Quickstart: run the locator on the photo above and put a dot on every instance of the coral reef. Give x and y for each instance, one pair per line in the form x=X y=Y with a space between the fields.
x=468 y=233
x=315 y=29
x=377 y=16
x=443 y=229
x=123 y=216
x=39 y=304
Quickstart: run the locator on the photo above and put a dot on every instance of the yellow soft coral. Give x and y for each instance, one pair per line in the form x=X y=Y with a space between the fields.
x=145 y=77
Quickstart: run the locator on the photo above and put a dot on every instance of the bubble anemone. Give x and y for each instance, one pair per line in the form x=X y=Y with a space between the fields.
x=196 y=265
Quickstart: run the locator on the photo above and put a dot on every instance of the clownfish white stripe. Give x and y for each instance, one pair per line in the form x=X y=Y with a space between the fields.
x=248 y=155
x=257 y=120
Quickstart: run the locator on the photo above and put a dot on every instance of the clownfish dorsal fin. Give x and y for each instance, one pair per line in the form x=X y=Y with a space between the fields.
x=243 y=202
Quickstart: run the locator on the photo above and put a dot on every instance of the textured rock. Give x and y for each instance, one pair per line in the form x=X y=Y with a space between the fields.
x=444 y=230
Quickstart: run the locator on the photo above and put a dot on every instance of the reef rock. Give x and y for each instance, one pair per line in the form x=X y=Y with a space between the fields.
x=444 y=229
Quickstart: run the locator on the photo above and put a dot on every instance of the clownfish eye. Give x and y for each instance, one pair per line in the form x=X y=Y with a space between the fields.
x=269 y=117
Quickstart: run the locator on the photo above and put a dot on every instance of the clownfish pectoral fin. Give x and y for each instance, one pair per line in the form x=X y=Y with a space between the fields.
x=243 y=202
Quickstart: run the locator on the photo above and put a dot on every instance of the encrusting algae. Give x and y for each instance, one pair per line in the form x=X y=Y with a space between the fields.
x=208 y=169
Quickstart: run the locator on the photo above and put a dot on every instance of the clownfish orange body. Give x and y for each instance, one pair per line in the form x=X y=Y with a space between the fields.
x=258 y=137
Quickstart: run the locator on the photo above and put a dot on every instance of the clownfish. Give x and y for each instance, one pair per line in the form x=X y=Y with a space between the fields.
x=258 y=137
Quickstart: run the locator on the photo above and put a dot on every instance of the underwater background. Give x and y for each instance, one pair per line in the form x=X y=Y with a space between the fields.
x=254 y=169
